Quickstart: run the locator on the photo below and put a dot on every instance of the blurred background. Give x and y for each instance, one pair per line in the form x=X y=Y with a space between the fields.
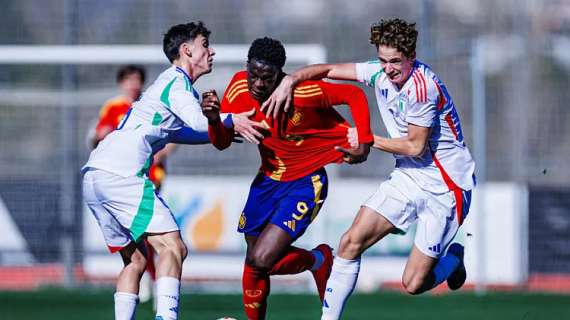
x=506 y=64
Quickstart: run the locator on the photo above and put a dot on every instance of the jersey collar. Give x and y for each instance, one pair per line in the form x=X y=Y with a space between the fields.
x=183 y=72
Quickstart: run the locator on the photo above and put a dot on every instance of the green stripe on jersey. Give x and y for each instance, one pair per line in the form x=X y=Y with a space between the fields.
x=165 y=95
x=145 y=167
x=187 y=84
x=144 y=212
x=157 y=119
x=375 y=76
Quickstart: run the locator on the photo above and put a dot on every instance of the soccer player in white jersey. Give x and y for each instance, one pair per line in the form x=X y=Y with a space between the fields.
x=434 y=175
x=116 y=186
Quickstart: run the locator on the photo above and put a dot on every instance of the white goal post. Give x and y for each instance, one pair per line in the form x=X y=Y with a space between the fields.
x=145 y=54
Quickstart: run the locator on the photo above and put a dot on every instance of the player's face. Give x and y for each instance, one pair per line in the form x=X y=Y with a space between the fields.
x=132 y=85
x=396 y=65
x=201 y=55
x=262 y=79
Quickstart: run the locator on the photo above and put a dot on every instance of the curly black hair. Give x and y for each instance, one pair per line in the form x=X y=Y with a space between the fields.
x=395 y=33
x=180 y=34
x=267 y=50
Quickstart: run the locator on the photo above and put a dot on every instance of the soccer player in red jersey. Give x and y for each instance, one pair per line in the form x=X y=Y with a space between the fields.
x=292 y=183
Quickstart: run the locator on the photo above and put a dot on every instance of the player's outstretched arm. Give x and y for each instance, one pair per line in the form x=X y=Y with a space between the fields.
x=282 y=97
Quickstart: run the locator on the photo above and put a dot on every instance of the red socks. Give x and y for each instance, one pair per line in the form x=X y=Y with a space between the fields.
x=255 y=286
x=294 y=261
x=255 y=283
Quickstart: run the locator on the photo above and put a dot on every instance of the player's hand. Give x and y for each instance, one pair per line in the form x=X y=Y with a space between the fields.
x=280 y=99
x=211 y=106
x=248 y=129
x=352 y=136
x=354 y=156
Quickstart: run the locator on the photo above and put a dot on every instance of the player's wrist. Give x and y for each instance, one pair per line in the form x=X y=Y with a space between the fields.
x=214 y=119
x=229 y=121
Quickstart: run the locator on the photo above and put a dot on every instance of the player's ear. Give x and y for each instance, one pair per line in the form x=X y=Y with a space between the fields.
x=185 y=48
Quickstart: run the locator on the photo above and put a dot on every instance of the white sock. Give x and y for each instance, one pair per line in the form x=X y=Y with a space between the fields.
x=339 y=287
x=125 y=305
x=167 y=293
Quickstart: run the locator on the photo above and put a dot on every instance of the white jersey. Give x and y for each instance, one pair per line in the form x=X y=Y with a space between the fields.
x=168 y=111
x=423 y=101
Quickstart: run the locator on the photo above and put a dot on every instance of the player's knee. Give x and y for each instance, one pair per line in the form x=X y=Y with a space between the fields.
x=183 y=251
x=413 y=284
x=261 y=260
x=175 y=250
x=178 y=249
x=137 y=262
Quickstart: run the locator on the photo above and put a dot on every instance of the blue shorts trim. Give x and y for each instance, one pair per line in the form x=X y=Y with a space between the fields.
x=290 y=205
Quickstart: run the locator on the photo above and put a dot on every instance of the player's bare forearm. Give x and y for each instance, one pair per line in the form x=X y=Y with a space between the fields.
x=337 y=71
x=402 y=146
x=282 y=96
x=412 y=145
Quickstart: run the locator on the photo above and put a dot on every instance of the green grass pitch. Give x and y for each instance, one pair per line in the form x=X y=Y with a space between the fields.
x=98 y=304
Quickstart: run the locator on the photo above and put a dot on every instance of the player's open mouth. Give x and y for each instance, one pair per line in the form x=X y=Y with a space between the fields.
x=393 y=76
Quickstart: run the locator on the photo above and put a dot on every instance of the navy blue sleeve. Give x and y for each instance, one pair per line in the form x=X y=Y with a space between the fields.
x=187 y=135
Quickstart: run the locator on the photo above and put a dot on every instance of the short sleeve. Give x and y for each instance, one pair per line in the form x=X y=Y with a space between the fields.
x=368 y=72
x=184 y=104
x=423 y=105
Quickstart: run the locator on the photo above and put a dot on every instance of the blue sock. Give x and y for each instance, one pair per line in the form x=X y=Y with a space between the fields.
x=445 y=267
x=319 y=258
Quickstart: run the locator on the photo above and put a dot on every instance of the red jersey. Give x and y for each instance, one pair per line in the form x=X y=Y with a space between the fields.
x=304 y=142
x=112 y=113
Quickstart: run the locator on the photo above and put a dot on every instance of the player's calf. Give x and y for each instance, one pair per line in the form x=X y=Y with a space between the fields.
x=417 y=283
x=322 y=269
x=459 y=275
x=171 y=253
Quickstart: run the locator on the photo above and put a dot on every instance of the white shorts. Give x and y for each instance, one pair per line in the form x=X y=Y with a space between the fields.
x=125 y=208
x=439 y=216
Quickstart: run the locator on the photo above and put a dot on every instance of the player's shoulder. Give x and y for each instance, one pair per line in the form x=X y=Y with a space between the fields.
x=424 y=84
x=309 y=89
x=114 y=104
x=237 y=86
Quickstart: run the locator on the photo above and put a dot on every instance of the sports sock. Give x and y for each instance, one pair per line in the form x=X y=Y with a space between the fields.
x=339 y=287
x=125 y=305
x=167 y=293
x=319 y=259
x=443 y=268
x=256 y=288
x=296 y=260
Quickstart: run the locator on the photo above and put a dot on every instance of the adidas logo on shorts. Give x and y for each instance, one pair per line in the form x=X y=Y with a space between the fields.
x=436 y=248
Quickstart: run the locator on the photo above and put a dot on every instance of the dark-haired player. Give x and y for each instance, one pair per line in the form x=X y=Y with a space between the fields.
x=432 y=182
x=116 y=186
x=292 y=184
